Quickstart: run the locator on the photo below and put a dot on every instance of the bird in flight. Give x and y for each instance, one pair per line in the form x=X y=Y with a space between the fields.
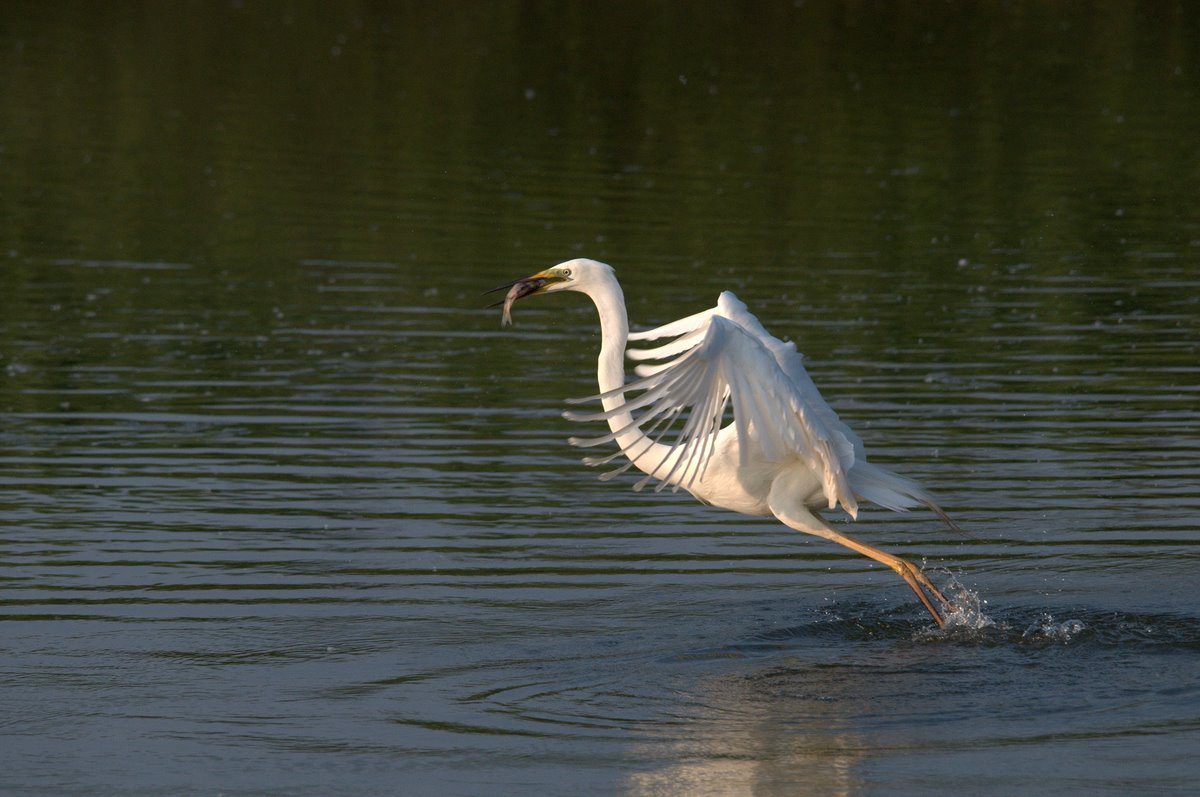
x=785 y=453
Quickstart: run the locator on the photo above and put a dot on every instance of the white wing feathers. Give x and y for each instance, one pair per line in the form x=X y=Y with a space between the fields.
x=720 y=356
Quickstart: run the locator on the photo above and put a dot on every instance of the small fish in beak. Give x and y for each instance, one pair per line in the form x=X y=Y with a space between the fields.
x=516 y=290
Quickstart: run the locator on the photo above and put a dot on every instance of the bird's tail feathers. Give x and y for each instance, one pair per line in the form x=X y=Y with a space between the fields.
x=949 y=521
x=885 y=488
x=893 y=491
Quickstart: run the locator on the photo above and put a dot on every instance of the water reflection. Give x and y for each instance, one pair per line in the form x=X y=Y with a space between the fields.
x=820 y=719
x=781 y=730
x=913 y=137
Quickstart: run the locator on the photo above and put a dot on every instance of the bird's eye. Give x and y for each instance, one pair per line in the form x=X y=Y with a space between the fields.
x=566 y=272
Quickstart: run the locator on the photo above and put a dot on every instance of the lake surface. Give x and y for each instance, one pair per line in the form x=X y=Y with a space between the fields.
x=283 y=510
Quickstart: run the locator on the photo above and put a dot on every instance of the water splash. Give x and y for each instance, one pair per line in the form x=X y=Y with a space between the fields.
x=968 y=621
x=1045 y=630
x=968 y=605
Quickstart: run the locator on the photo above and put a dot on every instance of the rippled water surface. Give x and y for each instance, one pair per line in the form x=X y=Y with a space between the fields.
x=285 y=511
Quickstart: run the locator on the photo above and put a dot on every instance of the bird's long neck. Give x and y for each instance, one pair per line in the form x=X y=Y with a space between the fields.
x=614 y=334
x=645 y=454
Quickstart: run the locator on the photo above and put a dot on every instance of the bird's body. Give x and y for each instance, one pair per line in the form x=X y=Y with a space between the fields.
x=785 y=453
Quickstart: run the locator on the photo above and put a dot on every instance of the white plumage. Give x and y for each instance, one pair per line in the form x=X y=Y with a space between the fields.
x=785 y=453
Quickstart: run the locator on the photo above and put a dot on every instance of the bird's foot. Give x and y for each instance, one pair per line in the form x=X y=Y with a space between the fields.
x=925 y=590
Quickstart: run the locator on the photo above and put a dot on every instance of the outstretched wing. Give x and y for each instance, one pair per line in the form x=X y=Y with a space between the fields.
x=791 y=362
x=720 y=357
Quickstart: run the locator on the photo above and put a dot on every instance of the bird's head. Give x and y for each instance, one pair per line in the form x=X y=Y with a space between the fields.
x=573 y=275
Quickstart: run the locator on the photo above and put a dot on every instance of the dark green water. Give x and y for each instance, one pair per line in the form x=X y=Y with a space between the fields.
x=284 y=511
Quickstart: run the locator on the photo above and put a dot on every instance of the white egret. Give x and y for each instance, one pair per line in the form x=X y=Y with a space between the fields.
x=785 y=453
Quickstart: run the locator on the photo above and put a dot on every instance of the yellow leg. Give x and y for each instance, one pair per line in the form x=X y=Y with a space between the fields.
x=908 y=571
x=802 y=519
